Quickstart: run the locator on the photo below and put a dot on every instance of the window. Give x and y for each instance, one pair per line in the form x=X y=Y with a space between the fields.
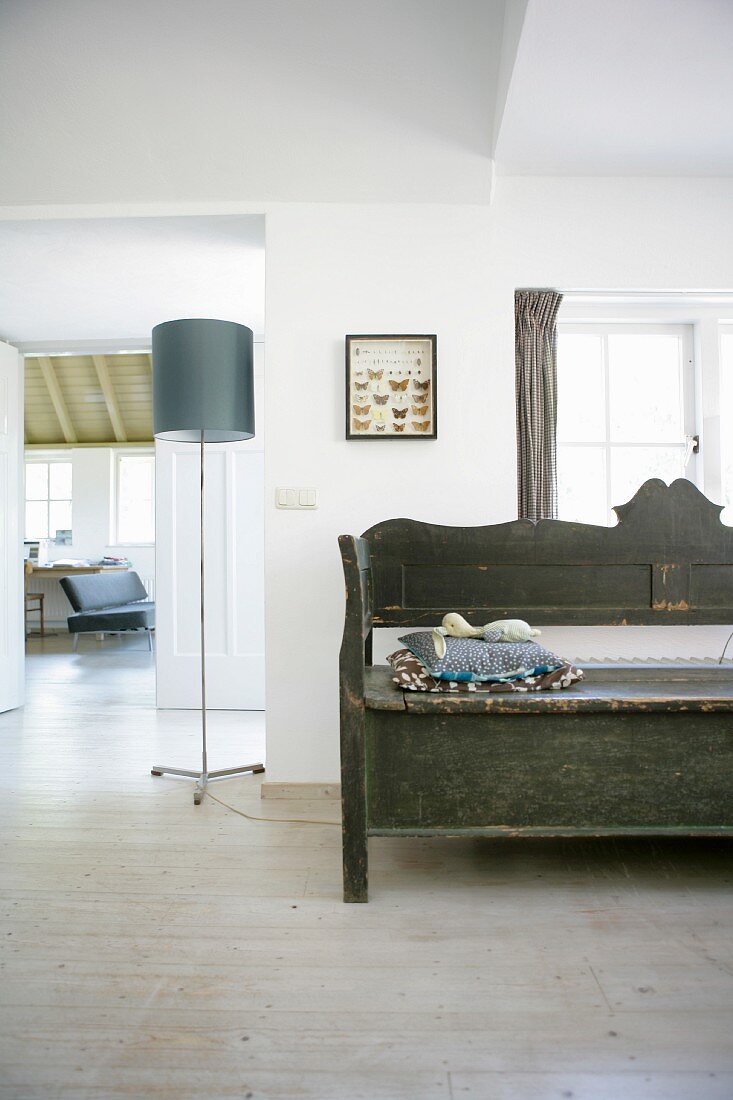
x=625 y=413
x=726 y=421
x=47 y=498
x=135 y=499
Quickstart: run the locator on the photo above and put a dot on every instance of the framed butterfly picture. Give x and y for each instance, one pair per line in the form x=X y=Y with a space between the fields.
x=391 y=387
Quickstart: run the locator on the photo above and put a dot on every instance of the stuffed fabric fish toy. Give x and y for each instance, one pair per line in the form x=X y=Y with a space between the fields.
x=503 y=630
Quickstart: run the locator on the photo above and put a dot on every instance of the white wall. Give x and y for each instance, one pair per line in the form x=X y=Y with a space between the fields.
x=92 y=472
x=452 y=270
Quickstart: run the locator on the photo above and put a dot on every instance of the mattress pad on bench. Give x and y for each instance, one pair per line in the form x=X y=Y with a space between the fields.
x=664 y=692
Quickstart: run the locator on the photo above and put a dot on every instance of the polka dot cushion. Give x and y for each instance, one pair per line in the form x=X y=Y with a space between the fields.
x=474 y=660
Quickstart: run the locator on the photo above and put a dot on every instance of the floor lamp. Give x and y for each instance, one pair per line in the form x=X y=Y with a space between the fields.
x=203 y=392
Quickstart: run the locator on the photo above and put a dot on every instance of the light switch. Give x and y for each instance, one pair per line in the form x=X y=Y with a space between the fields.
x=296 y=498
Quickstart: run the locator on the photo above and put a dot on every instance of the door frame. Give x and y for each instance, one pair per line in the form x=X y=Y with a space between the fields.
x=12 y=641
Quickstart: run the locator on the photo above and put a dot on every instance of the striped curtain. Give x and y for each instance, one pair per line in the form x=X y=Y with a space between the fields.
x=535 y=337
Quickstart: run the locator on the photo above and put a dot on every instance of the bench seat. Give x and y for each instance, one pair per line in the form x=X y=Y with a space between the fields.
x=108 y=620
x=700 y=693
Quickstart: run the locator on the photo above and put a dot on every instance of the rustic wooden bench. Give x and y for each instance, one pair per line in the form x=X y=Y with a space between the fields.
x=627 y=751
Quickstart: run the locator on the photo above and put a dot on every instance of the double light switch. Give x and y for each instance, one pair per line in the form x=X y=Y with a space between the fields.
x=296 y=498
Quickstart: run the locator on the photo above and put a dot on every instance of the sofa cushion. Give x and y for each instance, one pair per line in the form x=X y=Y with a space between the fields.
x=95 y=590
x=474 y=660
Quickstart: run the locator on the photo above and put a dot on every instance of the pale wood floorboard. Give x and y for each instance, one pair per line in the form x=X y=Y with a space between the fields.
x=154 y=949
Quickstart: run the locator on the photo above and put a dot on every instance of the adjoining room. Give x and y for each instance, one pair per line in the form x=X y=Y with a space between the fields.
x=93 y=469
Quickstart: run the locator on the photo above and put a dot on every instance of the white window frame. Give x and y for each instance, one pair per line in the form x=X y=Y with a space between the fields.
x=604 y=329
x=725 y=330
x=47 y=458
x=118 y=455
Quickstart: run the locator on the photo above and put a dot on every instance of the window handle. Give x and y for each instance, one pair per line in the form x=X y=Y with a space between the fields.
x=692 y=447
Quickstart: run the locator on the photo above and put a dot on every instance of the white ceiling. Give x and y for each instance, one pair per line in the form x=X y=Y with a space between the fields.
x=108 y=279
x=354 y=100
x=251 y=100
x=327 y=100
x=621 y=87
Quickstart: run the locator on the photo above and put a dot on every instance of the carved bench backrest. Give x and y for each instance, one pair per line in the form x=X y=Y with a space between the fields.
x=668 y=561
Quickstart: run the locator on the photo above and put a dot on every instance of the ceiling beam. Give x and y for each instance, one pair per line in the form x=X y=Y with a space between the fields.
x=110 y=397
x=57 y=398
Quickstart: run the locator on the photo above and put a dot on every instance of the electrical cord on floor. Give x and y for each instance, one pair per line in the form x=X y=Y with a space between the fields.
x=722 y=655
x=277 y=820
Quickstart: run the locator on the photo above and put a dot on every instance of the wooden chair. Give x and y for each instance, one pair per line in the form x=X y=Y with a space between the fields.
x=33 y=602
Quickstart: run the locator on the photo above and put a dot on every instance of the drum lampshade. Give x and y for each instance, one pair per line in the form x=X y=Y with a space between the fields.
x=203 y=380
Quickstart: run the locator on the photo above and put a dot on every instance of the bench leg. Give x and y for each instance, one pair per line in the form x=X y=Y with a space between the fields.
x=75 y=642
x=353 y=800
x=356 y=868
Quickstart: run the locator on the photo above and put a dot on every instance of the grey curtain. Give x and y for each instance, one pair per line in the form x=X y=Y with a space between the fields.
x=535 y=335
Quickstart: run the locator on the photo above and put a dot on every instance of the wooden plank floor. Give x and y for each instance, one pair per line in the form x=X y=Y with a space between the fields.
x=155 y=949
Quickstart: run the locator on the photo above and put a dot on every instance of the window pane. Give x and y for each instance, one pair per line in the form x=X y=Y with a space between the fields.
x=60 y=481
x=135 y=499
x=36 y=519
x=645 y=382
x=59 y=517
x=726 y=424
x=581 y=480
x=581 y=414
x=36 y=481
x=632 y=466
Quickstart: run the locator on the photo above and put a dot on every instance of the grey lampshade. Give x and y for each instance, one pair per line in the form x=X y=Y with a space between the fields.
x=203 y=380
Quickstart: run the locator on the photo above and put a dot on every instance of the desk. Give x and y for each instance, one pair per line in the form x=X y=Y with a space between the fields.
x=74 y=570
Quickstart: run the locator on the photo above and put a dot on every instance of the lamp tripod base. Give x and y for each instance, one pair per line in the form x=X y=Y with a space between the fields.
x=202 y=778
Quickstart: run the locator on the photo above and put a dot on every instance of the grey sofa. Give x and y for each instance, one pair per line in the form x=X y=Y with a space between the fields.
x=108 y=603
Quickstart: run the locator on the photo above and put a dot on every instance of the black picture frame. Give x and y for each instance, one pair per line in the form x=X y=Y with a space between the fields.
x=374 y=362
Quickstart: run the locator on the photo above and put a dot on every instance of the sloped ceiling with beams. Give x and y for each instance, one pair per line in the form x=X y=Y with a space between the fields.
x=86 y=399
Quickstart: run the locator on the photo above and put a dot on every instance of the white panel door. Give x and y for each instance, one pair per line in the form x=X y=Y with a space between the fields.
x=12 y=641
x=235 y=613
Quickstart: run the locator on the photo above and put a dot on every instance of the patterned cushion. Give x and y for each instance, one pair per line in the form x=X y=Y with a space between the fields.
x=474 y=660
x=411 y=675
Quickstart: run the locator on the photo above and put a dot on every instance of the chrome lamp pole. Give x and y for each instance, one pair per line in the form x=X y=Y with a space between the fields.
x=203 y=391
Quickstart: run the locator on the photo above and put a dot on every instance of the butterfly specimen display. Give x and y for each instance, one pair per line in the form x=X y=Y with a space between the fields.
x=391 y=387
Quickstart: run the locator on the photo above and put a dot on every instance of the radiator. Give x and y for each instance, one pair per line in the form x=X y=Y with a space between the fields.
x=56 y=606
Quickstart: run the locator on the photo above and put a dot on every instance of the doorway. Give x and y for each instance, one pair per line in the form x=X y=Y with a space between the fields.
x=97 y=276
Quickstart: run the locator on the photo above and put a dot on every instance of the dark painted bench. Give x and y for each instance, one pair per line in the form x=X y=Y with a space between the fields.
x=640 y=751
